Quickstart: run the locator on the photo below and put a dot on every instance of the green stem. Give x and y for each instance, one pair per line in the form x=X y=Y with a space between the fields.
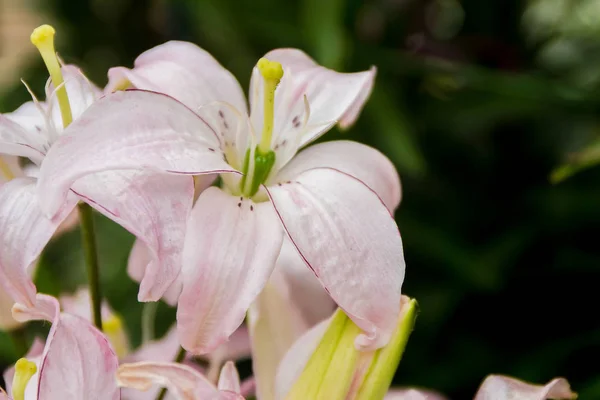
x=90 y=252
x=178 y=359
x=19 y=341
x=148 y=319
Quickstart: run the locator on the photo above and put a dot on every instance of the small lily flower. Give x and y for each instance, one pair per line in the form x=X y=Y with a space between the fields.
x=76 y=362
x=332 y=200
x=498 y=387
x=152 y=207
x=183 y=382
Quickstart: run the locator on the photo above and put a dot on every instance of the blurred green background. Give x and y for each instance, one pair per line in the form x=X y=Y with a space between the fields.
x=476 y=102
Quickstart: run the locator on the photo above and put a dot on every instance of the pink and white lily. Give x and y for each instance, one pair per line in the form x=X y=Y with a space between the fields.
x=152 y=207
x=498 y=387
x=332 y=200
x=77 y=360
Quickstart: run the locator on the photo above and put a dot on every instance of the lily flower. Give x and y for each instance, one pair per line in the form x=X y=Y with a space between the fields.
x=152 y=207
x=332 y=200
x=76 y=362
x=498 y=387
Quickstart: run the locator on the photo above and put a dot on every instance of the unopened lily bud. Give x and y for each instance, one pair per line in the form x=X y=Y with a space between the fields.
x=337 y=370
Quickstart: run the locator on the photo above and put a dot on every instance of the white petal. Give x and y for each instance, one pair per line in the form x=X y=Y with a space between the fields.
x=129 y=130
x=349 y=239
x=362 y=162
x=18 y=141
x=498 y=387
x=229 y=379
x=155 y=208
x=184 y=71
x=24 y=232
x=230 y=250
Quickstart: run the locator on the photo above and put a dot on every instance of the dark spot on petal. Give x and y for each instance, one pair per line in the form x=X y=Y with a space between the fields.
x=240 y=205
x=296 y=121
x=241 y=198
x=284 y=142
x=225 y=124
x=221 y=114
x=251 y=208
x=38 y=128
x=211 y=149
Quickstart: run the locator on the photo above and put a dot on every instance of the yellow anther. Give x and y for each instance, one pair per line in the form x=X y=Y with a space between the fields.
x=24 y=370
x=272 y=72
x=43 y=38
x=113 y=329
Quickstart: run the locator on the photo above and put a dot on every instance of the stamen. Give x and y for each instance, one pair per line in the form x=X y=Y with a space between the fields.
x=43 y=38
x=24 y=370
x=272 y=72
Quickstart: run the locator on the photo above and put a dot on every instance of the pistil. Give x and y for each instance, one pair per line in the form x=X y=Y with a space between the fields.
x=43 y=38
x=272 y=72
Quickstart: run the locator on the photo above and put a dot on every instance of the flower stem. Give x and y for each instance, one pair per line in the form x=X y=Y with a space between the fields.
x=148 y=319
x=90 y=252
x=179 y=358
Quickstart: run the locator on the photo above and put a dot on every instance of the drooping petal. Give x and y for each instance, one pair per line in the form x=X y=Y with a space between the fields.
x=362 y=162
x=18 y=141
x=413 y=394
x=348 y=238
x=296 y=358
x=498 y=387
x=82 y=93
x=236 y=348
x=230 y=250
x=129 y=130
x=184 y=71
x=155 y=208
x=183 y=382
x=24 y=232
x=77 y=360
x=332 y=97
x=139 y=259
x=163 y=349
x=229 y=379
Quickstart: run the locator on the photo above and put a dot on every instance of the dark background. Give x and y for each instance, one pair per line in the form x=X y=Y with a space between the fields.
x=476 y=102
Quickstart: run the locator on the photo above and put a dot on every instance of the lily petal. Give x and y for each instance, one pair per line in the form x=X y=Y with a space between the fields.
x=362 y=162
x=229 y=379
x=139 y=259
x=155 y=208
x=498 y=387
x=7 y=322
x=184 y=71
x=348 y=238
x=275 y=323
x=183 y=382
x=18 y=141
x=74 y=349
x=9 y=168
x=230 y=250
x=82 y=93
x=24 y=232
x=129 y=130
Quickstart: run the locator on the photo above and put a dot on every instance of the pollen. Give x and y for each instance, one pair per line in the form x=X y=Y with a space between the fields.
x=24 y=371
